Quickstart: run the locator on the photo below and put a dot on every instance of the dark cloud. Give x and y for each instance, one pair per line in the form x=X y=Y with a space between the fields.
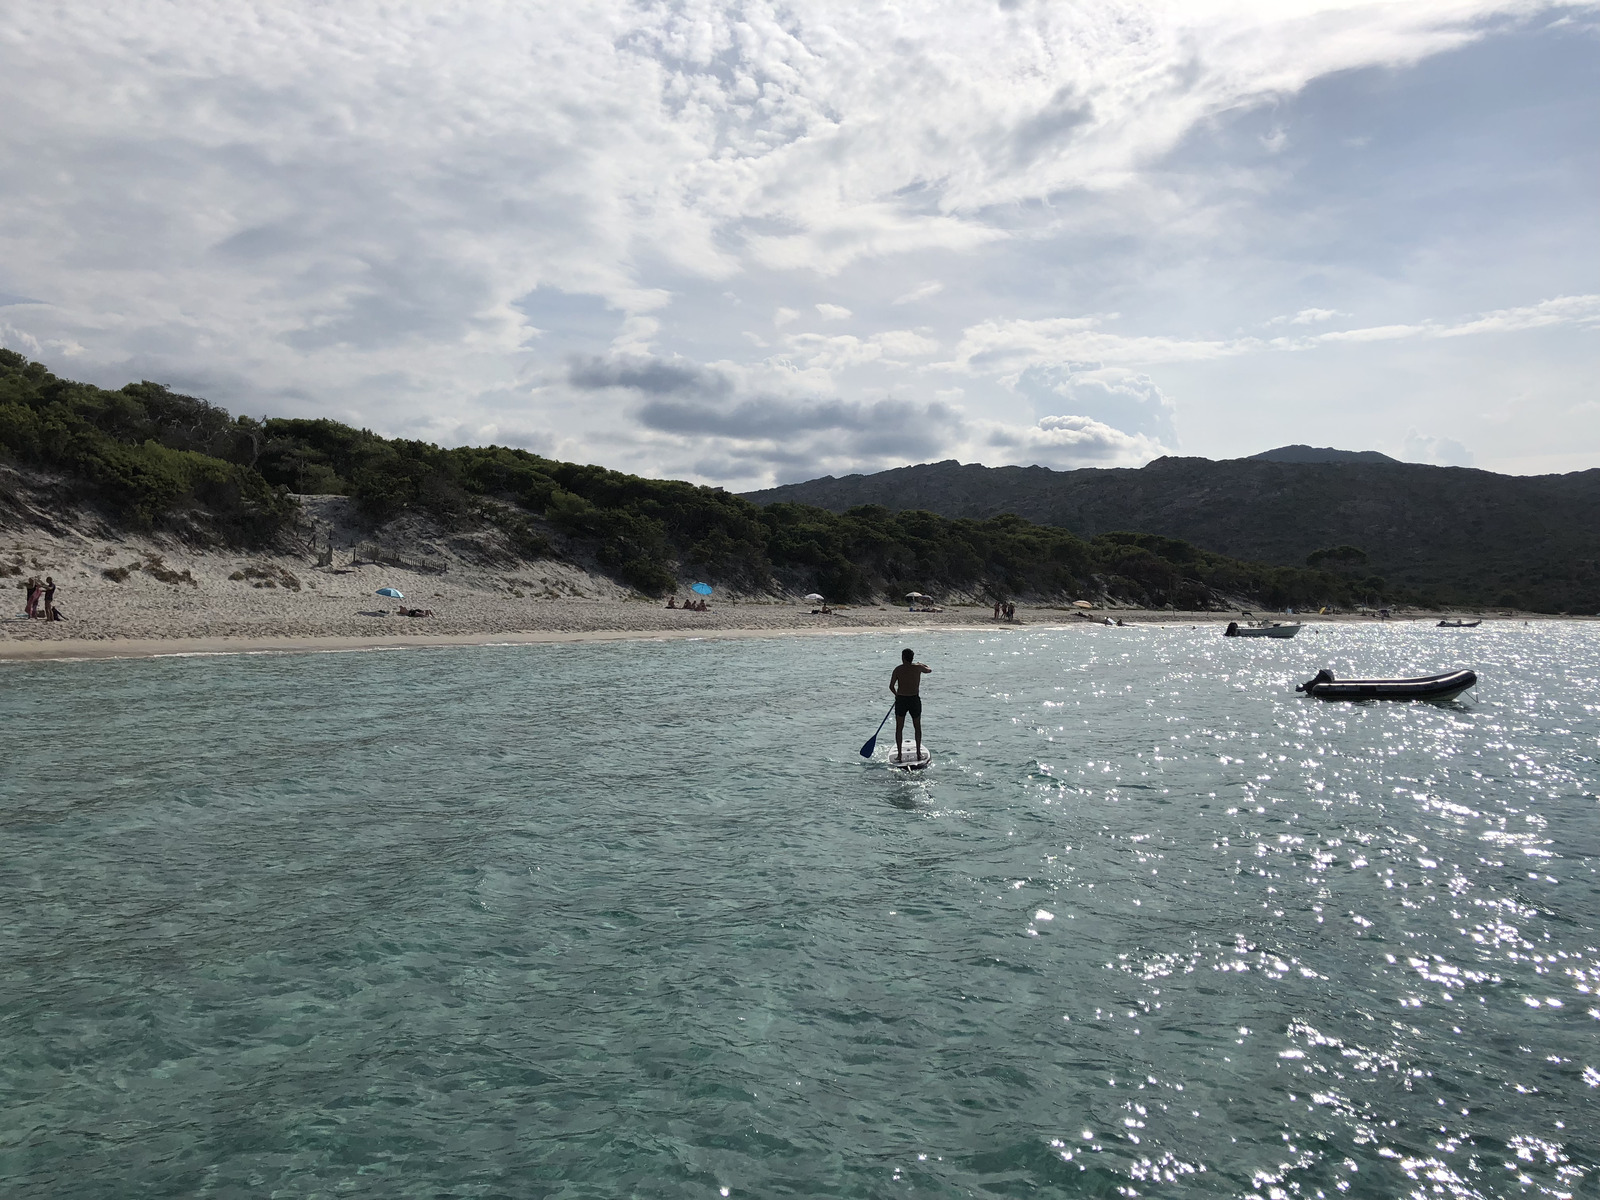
x=647 y=374
x=747 y=434
x=766 y=417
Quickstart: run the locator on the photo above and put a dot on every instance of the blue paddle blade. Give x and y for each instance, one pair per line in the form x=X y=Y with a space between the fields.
x=866 y=751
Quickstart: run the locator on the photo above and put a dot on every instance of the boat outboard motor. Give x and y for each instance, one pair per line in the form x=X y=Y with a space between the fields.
x=1323 y=676
x=1232 y=630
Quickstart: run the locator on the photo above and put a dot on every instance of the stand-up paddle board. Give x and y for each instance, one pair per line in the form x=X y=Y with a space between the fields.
x=906 y=758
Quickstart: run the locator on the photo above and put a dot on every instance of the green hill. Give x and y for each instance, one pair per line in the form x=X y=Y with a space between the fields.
x=149 y=458
x=1464 y=536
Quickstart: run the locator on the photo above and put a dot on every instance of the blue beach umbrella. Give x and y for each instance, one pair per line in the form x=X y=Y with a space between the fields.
x=703 y=589
x=392 y=593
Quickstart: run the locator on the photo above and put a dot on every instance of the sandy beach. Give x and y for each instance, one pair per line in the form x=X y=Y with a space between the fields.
x=131 y=597
x=122 y=627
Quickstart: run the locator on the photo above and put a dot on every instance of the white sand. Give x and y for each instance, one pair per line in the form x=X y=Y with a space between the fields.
x=335 y=608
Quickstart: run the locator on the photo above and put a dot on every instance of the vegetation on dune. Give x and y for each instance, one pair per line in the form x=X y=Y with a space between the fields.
x=154 y=456
x=149 y=451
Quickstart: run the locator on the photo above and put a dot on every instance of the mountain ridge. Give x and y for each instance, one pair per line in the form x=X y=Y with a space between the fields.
x=1299 y=453
x=1465 y=534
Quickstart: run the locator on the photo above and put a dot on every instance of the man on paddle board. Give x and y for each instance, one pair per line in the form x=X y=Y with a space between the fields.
x=905 y=684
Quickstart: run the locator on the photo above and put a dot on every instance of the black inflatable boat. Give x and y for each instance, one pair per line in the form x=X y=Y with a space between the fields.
x=1430 y=687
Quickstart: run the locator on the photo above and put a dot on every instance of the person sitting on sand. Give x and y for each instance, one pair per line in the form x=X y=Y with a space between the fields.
x=672 y=602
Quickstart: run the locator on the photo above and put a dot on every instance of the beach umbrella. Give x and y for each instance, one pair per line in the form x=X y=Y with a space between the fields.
x=1081 y=604
x=915 y=596
x=703 y=589
x=814 y=597
x=392 y=593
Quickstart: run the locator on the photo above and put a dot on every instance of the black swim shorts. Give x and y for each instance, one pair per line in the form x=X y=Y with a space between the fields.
x=904 y=705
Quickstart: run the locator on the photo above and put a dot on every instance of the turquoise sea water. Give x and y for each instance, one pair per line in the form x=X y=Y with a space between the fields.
x=636 y=920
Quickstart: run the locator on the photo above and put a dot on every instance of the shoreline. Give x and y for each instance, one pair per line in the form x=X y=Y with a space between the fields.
x=82 y=650
x=69 y=649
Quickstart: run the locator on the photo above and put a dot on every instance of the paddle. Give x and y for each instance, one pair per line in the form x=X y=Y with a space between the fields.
x=872 y=742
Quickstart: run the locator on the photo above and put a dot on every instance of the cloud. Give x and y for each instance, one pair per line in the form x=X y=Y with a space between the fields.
x=923 y=291
x=304 y=203
x=1308 y=316
x=760 y=427
x=642 y=373
x=842 y=351
x=1119 y=397
x=1069 y=442
x=1440 y=451
x=1011 y=345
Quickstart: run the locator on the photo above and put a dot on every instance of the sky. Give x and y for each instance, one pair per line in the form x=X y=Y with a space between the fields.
x=749 y=243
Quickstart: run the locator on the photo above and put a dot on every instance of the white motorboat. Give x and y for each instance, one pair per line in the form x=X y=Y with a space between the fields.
x=1278 y=630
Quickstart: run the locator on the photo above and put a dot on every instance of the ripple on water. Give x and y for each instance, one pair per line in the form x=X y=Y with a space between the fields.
x=631 y=918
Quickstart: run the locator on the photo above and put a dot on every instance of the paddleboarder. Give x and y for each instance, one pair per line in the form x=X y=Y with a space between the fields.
x=905 y=685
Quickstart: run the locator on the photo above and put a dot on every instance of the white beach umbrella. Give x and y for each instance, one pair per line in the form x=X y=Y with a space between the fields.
x=814 y=597
x=915 y=596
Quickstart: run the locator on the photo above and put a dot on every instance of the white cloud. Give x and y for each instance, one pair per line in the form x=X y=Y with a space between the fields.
x=843 y=351
x=923 y=291
x=1308 y=316
x=1117 y=396
x=343 y=209
x=1012 y=345
x=1440 y=451
x=1064 y=442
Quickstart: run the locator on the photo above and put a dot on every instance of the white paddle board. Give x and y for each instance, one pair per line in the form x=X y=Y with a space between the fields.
x=907 y=758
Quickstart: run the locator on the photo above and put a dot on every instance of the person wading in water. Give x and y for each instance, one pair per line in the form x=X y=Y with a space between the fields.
x=905 y=684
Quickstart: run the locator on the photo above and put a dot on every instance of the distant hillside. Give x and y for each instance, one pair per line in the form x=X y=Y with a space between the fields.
x=1466 y=536
x=1321 y=454
x=148 y=459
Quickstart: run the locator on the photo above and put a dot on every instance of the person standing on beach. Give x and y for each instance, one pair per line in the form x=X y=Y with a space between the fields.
x=33 y=596
x=49 y=596
x=905 y=685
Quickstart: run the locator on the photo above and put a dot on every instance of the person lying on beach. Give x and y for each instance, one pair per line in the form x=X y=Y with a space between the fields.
x=414 y=612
